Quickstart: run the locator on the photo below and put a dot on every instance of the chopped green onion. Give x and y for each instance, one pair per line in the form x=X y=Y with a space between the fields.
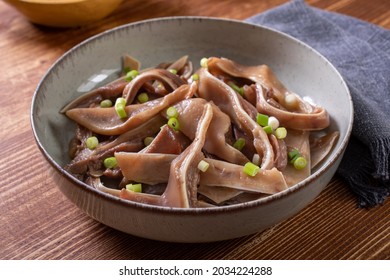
x=262 y=119
x=92 y=142
x=120 y=100
x=268 y=129
x=173 y=123
x=148 y=140
x=106 y=103
x=281 y=132
x=110 y=162
x=134 y=187
x=203 y=62
x=143 y=97
x=131 y=75
x=251 y=169
x=195 y=77
x=173 y=71
x=297 y=159
x=293 y=155
x=273 y=122
x=239 y=144
x=172 y=112
x=300 y=163
x=236 y=88
x=120 y=110
x=120 y=107
x=203 y=165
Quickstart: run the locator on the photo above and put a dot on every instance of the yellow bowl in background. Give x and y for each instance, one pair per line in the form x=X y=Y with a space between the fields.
x=64 y=13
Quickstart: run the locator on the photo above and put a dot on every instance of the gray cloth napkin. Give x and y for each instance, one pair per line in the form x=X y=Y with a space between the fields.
x=361 y=53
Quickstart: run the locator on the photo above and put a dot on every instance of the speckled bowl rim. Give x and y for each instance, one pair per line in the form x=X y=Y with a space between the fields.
x=195 y=211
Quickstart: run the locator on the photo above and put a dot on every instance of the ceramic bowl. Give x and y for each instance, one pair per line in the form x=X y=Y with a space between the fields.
x=64 y=13
x=301 y=68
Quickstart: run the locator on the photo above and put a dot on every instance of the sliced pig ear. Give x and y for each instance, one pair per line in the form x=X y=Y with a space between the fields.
x=224 y=174
x=140 y=197
x=215 y=90
x=169 y=80
x=223 y=181
x=179 y=64
x=280 y=149
x=260 y=74
x=130 y=195
x=181 y=171
x=183 y=66
x=320 y=147
x=130 y=62
x=168 y=141
x=305 y=116
x=297 y=140
x=105 y=121
x=133 y=166
x=190 y=111
x=109 y=91
x=218 y=194
x=315 y=118
x=184 y=174
x=148 y=128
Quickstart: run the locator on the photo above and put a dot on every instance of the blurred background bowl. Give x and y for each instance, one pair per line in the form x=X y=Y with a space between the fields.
x=64 y=13
x=302 y=70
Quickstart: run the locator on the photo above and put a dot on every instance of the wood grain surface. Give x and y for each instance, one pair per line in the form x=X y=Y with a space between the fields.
x=38 y=222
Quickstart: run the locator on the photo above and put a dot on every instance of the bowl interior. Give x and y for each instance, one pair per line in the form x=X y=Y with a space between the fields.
x=98 y=60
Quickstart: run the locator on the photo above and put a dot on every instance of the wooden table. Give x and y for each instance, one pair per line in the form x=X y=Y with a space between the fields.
x=38 y=222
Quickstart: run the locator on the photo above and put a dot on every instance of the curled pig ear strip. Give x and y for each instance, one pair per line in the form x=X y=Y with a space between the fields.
x=212 y=89
x=230 y=175
x=304 y=115
x=167 y=141
x=85 y=160
x=168 y=79
x=133 y=166
x=183 y=67
x=184 y=174
x=149 y=127
x=219 y=173
x=181 y=190
x=317 y=119
x=280 y=150
x=260 y=74
x=189 y=112
x=94 y=97
x=105 y=121
x=178 y=64
x=297 y=140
